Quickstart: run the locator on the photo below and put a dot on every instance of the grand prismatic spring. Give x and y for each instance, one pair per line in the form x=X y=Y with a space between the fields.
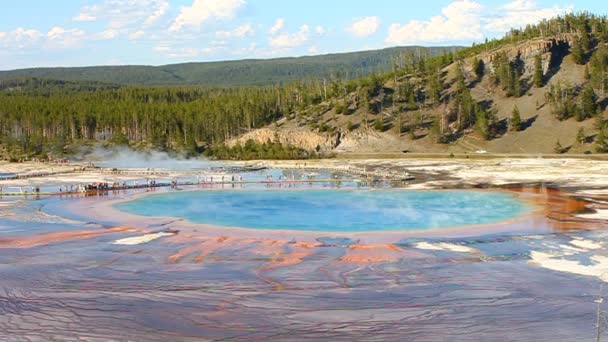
x=265 y=257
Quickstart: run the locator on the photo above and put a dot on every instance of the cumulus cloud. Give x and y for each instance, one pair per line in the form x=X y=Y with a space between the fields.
x=278 y=25
x=20 y=38
x=459 y=21
x=204 y=10
x=239 y=32
x=290 y=40
x=159 y=11
x=60 y=36
x=364 y=27
x=468 y=20
x=520 y=13
x=123 y=17
x=22 y=34
x=320 y=30
x=84 y=17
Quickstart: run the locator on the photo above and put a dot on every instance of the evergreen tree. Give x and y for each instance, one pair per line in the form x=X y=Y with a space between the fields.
x=601 y=142
x=581 y=137
x=599 y=123
x=588 y=102
x=379 y=125
x=485 y=121
x=515 y=120
x=561 y=100
x=350 y=126
x=435 y=86
x=538 y=71
x=599 y=67
x=412 y=132
x=508 y=73
x=437 y=130
x=578 y=52
x=559 y=149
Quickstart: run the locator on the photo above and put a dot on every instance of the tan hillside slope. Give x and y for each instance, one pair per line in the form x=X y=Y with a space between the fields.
x=389 y=120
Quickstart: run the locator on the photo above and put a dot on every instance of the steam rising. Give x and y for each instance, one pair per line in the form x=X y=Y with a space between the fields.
x=124 y=157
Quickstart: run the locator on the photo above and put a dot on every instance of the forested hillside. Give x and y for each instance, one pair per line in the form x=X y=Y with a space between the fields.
x=541 y=89
x=234 y=73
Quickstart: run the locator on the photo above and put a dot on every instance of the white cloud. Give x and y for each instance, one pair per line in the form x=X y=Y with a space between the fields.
x=21 y=34
x=123 y=17
x=20 y=38
x=239 y=32
x=203 y=10
x=59 y=36
x=137 y=35
x=364 y=27
x=313 y=49
x=460 y=20
x=278 y=25
x=84 y=17
x=468 y=20
x=160 y=10
x=520 y=13
x=320 y=30
x=290 y=40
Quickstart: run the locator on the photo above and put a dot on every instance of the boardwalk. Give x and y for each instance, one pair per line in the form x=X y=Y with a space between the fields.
x=333 y=181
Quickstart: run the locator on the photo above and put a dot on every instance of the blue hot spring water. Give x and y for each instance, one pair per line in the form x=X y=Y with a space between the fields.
x=332 y=210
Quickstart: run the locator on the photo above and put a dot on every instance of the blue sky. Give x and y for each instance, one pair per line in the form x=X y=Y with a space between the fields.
x=155 y=32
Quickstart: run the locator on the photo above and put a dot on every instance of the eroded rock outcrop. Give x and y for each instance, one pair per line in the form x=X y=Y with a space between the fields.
x=548 y=47
x=306 y=139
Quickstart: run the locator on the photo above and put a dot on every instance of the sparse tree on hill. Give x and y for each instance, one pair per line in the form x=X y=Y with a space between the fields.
x=559 y=149
x=561 y=99
x=515 y=120
x=599 y=123
x=396 y=92
x=349 y=126
x=601 y=142
x=438 y=129
x=588 y=103
x=578 y=51
x=485 y=121
x=364 y=105
x=379 y=125
x=435 y=86
x=581 y=137
x=599 y=68
x=508 y=73
x=538 y=71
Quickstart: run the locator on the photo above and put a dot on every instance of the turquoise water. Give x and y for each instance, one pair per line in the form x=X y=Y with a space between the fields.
x=332 y=210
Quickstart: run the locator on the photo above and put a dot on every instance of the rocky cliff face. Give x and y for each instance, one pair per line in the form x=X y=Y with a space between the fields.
x=550 y=48
x=357 y=141
x=305 y=139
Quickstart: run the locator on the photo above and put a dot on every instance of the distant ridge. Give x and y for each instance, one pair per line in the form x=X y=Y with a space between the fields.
x=231 y=73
